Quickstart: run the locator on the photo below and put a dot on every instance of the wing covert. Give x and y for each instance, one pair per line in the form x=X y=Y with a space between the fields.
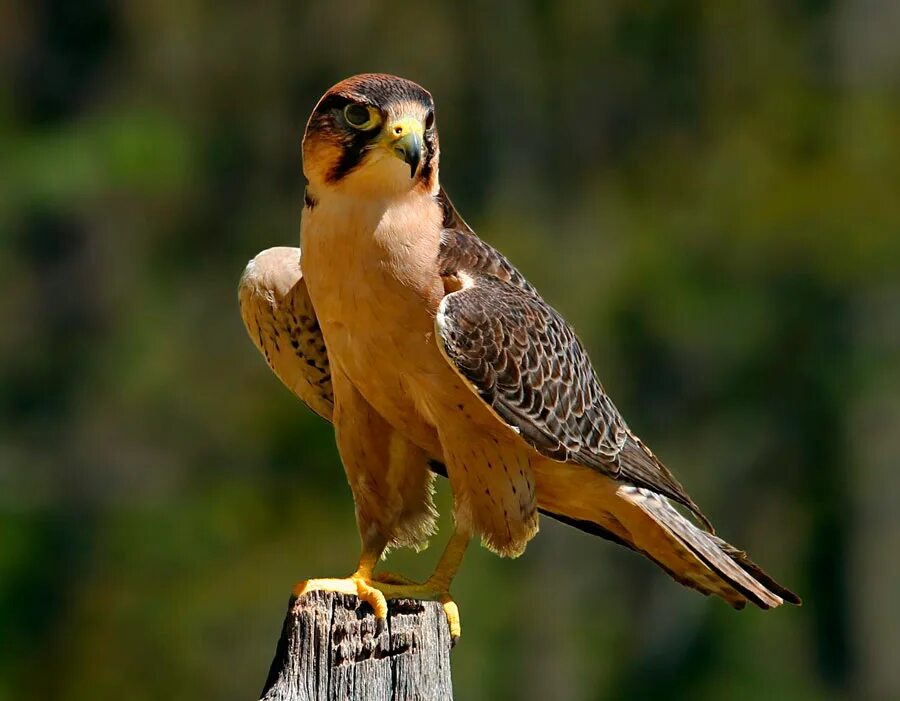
x=527 y=364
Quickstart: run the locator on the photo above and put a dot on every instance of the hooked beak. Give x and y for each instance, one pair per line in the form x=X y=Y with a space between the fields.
x=404 y=140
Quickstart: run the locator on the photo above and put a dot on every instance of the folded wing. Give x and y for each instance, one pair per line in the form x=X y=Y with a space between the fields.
x=281 y=322
x=525 y=362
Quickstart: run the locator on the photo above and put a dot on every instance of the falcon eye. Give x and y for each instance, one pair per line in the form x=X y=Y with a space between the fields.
x=429 y=120
x=360 y=116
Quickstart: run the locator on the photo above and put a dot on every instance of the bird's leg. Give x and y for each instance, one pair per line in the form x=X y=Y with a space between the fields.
x=444 y=573
x=376 y=590
x=436 y=587
x=358 y=584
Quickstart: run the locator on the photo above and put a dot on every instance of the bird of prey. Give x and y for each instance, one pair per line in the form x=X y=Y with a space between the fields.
x=430 y=352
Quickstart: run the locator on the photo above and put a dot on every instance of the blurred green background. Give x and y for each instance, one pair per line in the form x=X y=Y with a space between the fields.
x=710 y=193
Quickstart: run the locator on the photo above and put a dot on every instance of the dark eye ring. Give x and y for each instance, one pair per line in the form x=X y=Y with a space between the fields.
x=359 y=116
x=429 y=119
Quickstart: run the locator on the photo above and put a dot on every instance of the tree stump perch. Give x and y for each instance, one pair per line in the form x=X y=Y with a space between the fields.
x=332 y=648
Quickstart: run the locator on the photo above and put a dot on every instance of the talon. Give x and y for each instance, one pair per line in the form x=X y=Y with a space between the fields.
x=373 y=598
x=423 y=592
x=451 y=610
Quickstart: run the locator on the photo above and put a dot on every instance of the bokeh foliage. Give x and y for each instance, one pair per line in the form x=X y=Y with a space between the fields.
x=709 y=191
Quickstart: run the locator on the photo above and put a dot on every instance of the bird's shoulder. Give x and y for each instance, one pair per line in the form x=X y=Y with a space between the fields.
x=461 y=251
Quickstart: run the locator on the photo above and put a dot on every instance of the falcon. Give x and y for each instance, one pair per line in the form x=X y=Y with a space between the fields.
x=430 y=353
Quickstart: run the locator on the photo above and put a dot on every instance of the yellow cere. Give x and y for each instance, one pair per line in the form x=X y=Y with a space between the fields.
x=404 y=126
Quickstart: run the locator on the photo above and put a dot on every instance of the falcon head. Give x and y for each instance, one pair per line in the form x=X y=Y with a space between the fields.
x=372 y=135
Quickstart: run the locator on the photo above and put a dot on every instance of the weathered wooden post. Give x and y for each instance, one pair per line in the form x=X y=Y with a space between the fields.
x=332 y=649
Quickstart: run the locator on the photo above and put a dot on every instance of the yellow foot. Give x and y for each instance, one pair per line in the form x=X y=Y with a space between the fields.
x=384 y=586
x=451 y=610
x=354 y=585
x=395 y=586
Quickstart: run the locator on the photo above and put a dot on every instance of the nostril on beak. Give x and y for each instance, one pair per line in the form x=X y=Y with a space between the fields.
x=398 y=130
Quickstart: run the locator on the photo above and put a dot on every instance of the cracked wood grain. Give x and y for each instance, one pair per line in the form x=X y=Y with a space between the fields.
x=332 y=648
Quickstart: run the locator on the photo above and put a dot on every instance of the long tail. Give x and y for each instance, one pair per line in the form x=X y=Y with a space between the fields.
x=646 y=522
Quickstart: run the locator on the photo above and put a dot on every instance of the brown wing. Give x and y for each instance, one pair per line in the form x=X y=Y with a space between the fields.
x=282 y=324
x=528 y=365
